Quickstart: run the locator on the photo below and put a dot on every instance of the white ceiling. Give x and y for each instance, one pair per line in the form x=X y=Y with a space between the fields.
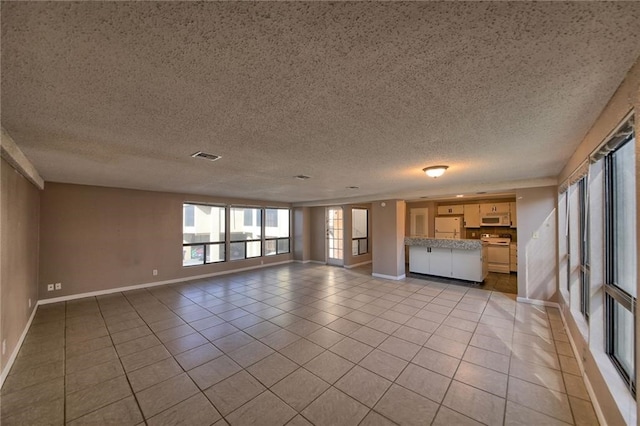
x=351 y=94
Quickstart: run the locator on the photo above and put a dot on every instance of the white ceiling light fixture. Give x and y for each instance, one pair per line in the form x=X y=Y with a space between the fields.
x=435 y=171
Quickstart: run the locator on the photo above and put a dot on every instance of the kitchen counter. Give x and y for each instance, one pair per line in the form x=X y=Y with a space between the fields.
x=461 y=259
x=444 y=243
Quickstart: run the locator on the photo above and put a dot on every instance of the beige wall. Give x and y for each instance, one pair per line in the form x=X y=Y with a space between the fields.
x=20 y=209
x=433 y=210
x=301 y=233
x=318 y=237
x=95 y=238
x=537 y=254
x=388 y=232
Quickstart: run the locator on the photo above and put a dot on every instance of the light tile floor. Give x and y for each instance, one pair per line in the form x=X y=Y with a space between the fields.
x=298 y=345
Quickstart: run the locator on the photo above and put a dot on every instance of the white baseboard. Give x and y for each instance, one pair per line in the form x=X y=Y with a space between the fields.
x=14 y=354
x=153 y=284
x=302 y=261
x=389 y=277
x=538 y=302
x=357 y=264
x=319 y=262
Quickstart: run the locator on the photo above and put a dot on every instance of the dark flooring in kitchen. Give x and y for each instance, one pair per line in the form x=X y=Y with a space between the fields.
x=504 y=283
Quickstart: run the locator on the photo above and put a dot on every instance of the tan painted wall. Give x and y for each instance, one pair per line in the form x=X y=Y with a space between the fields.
x=537 y=254
x=95 y=238
x=301 y=233
x=433 y=210
x=20 y=209
x=388 y=232
x=318 y=237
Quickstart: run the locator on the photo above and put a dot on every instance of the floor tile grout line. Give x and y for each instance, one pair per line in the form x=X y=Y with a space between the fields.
x=362 y=290
x=135 y=397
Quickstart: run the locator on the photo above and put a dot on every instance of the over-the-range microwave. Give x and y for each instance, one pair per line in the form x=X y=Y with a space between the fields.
x=496 y=219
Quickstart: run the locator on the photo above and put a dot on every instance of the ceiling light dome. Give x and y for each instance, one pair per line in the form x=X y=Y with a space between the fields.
x=435 y=171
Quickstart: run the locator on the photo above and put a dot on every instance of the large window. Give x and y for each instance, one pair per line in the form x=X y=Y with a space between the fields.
x=585 y=273
x=245 y=232
x=203 y=234
x=620 y=258
x=359 y=231
x=276 y=231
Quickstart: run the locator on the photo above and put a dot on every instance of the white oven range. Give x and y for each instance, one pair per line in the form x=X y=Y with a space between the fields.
x=498 y=256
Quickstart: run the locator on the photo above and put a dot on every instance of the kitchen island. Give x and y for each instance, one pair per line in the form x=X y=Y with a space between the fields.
x=460 y=259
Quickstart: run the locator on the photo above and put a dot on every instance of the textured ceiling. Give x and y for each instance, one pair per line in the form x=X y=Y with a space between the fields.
x=351 y=94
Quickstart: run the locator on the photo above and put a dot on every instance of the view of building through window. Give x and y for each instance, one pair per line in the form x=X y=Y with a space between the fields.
x=276 y=230
x=203 y=234
x=359 y=231
x=204 y=238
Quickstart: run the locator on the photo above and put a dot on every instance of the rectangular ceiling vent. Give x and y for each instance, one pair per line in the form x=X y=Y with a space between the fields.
x=210 y=157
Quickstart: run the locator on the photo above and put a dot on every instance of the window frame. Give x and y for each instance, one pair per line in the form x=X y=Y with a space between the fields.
x=244 y=224
x=205 y=244
x=615 y=295
x=585 y=267
x=359 y=239
x=277 y=239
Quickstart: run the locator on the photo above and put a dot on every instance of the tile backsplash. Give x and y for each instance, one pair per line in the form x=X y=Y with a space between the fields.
x=469 y=232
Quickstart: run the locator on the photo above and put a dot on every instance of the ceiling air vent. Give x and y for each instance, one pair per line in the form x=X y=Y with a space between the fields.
x=302 y=177
x=210 y=157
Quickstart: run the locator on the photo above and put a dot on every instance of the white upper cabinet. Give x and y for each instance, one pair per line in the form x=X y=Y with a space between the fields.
x=514 y=216
x=472 y=215
x=491 y=208
x=444 y=210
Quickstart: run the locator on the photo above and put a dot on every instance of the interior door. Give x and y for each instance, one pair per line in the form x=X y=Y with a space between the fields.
x=335 y=236
x=419 y=222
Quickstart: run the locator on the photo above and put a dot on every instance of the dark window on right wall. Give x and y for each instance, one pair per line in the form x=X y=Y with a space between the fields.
x=620 y=258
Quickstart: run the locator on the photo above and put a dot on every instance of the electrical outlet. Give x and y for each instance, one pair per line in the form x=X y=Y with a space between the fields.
x=536 y=235
x=50 y=287
x=58 y=286
x=155 y=272
x=4 y=346
x=29 y=302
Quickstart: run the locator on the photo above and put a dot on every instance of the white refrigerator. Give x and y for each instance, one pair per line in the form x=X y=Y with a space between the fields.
x=449 y=227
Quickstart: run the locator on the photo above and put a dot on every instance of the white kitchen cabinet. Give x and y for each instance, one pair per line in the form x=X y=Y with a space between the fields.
x=513 y=257
x=471 y=215
x=419 y=259
x=440 y=262
x=469 y=265
x=514 y=216
x=445 y=210
x=490 y=208
x=462 y=264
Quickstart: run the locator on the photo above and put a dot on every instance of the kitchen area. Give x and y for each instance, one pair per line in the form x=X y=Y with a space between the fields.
x=481 y=234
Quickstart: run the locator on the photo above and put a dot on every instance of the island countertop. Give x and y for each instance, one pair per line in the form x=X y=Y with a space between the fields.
x=444 y=243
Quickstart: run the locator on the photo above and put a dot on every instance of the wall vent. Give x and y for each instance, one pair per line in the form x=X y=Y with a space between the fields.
x=210 y=157
x=302 y=177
